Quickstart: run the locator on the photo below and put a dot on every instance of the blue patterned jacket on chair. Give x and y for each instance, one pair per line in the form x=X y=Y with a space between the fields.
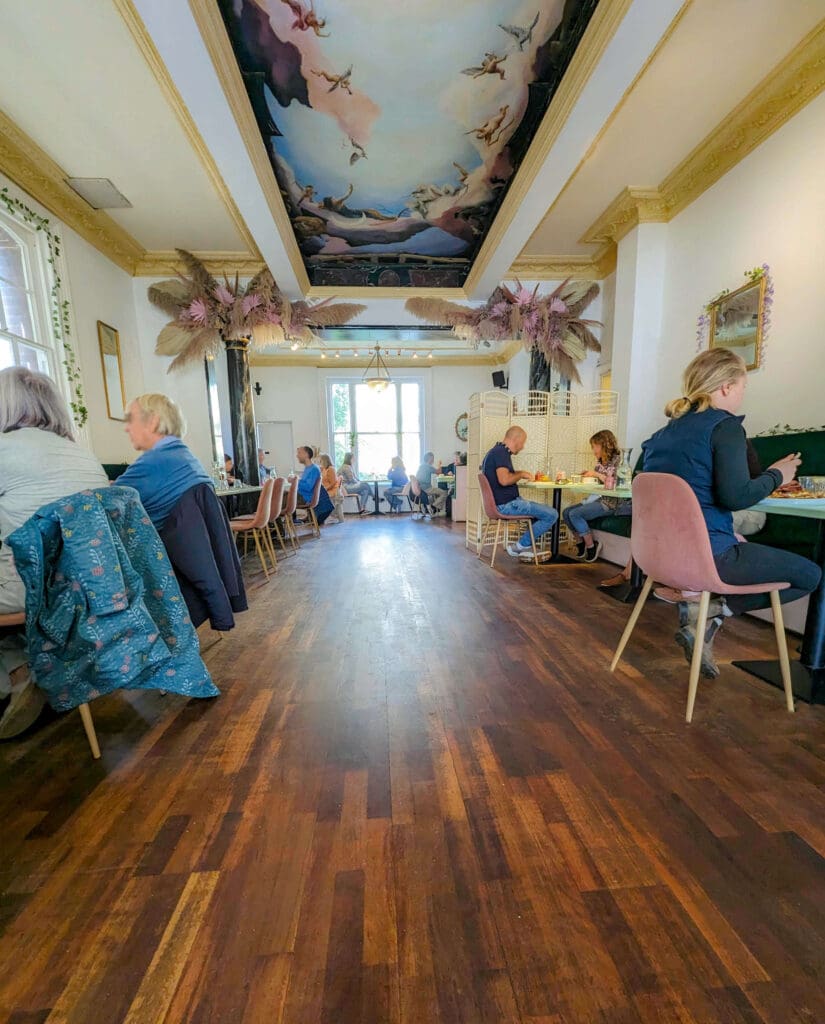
x=103 y=607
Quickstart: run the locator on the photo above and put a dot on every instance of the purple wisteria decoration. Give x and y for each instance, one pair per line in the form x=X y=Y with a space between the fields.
x=704 y=319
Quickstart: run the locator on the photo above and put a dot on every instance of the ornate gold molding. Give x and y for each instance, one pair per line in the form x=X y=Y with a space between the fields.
x=405 y=362
x=329 y=292
x=144 y=42
x=208 y=19
x=32 y=170
x=558 y=268
x=597 y=36
x=793 y=83
x=164 y=264
x=631 y=207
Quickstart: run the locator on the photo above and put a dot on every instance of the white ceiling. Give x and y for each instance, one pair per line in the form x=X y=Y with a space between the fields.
x=84 y=93
x=718 y=52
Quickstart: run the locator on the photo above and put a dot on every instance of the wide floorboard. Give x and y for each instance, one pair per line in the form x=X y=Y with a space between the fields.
x=423 y=798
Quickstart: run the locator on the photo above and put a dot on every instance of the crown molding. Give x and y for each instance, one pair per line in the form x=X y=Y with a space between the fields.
x=32 y=170
x=332 y=292
x=144 y=42
x=532 y=267
x=162 y=263
x=631 y=207
x=350 y=362
x=785 y=90
x=210 y=24
x=598 y=34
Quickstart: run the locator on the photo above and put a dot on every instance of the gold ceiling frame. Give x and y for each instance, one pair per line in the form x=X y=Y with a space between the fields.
x=394 y=362
x=796 y=80
x=160 y=73
x=597 y=36
x=213 y=32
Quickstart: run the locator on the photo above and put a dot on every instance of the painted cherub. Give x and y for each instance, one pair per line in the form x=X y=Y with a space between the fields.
x=307 y=195
x=308 y=19
x=488 y=66
x=338 y=81
x=491 y=131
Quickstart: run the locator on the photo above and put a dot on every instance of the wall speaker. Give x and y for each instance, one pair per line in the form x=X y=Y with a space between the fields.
x=499 y=380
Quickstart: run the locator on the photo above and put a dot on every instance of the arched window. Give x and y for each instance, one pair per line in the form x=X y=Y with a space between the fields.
x=25 y=329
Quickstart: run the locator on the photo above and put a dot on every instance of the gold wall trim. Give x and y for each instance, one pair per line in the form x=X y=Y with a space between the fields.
x=791 y=85
x=603 y=25
x=631 y=207
x=32 y=170
x=327 y=292
x=350 y=362
x=208 y=19
x=144 y=42
x=162 y=263
x=785 y=90
x=558 y=268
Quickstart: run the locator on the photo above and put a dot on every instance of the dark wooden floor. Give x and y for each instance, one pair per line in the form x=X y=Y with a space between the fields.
x=422 y=797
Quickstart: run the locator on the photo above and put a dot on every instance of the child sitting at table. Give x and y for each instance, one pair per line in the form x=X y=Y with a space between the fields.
x=577 y=517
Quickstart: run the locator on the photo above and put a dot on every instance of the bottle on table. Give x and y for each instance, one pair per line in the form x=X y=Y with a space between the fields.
x=610 y=479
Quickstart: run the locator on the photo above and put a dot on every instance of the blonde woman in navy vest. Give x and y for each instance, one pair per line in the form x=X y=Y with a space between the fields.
x=705 y=444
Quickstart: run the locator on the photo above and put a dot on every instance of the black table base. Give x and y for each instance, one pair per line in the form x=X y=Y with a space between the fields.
x=808 y=684
x=377 y=499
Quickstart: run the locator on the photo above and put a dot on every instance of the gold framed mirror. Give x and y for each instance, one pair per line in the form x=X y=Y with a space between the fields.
x=737 y=321
x=109 y=342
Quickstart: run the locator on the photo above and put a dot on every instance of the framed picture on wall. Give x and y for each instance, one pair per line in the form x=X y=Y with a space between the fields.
x=110 y=362
x=737 y=321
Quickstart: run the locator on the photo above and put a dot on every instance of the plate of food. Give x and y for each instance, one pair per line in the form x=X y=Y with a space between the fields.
x=800 y=493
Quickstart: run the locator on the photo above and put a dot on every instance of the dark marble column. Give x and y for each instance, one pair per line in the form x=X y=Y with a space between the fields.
x=244 y=442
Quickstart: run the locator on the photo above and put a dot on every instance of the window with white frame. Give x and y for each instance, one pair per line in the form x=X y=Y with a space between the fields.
x=25 y=326
x=376 y=425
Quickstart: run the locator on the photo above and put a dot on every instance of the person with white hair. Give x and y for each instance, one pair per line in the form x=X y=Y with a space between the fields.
x=40 y=462
x=167 y=468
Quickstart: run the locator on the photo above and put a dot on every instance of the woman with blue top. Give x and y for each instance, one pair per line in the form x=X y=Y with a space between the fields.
x=704 y=443
x=167 y=468
x=398 y=479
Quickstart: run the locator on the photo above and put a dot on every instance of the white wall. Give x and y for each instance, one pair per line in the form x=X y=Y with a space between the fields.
x=769 y=209
x=100 y=290
x=187 y=387
x=297 y=394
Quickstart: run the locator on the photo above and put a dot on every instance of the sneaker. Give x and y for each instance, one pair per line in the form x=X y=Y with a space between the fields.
x=416 y=516
x=364 y=512
x=593 y=553
x=516 y=549
x=686 y=639
x=427 y=517
x=689 y=611
x=581 y=547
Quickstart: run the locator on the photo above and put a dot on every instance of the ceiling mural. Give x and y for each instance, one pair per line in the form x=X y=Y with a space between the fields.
x=394 y=131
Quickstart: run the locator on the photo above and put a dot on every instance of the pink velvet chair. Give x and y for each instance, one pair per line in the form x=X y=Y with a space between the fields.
x=670 y=543
x=494 y=516
x=290 y=504
x=257 y=526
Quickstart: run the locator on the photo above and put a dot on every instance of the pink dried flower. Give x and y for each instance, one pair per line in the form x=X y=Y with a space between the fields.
x=224 y=295
x=198 y=311
x=249 y=303
x=558 y=306
x=524 y=297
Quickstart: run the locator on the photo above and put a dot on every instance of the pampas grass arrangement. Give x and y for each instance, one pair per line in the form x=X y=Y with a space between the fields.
x=206 y=312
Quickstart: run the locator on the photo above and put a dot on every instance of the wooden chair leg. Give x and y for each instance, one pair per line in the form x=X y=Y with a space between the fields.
x=279 y=535
x=696 y=660
x=257 y=539
x=316 y=529
x=533 y=542
x=631 y=622
x=269 y=547
x=482 y=540
x=495 y=542
x=89 y=726
x=782 y=648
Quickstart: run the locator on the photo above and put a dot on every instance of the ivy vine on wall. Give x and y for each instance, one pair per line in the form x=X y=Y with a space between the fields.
x=703 y=320
x=60 y=312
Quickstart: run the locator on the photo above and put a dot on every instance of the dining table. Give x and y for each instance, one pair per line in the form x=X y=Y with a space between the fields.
x=557 y=490
x=232 y=492
x=377 y=482
x=807 y=673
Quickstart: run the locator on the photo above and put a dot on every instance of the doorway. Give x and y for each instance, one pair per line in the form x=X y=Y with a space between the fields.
x=275 y=437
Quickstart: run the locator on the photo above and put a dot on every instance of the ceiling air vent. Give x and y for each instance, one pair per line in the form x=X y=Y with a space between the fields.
x=99 y=193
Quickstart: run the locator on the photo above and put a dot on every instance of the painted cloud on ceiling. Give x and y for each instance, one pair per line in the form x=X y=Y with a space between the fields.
x=395 y=130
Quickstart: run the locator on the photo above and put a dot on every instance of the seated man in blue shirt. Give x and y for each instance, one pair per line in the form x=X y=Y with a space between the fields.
x=306 y=485
x=498 y=468
x=167 y=468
